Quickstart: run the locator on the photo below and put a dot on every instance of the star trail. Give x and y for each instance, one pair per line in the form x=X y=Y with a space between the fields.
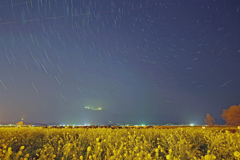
x=140 y=61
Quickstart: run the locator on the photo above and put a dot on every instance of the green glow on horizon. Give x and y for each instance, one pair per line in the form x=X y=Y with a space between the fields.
x=94 y=109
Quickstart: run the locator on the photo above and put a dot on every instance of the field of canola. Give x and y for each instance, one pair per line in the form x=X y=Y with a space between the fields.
x=118 y=144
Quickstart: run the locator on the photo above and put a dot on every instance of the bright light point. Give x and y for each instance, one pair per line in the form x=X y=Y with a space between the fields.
x=93 y=109
x=192 y=124
x=143 y=124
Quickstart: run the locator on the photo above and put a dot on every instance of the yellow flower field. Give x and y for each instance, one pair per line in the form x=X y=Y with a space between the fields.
x=103 y=143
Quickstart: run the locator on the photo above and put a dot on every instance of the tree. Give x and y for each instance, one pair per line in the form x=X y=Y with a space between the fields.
x=209 y=120
x=232 y=115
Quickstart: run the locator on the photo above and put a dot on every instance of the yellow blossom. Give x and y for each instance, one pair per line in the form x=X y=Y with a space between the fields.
x=88 y=149
x=237 y=154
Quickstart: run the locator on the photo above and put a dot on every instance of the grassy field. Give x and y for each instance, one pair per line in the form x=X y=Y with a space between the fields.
x=126 y=143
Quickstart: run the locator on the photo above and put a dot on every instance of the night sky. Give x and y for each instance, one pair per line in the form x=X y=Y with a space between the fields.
x=140 y=61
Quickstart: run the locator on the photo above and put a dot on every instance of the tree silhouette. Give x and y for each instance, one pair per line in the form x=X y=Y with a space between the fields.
x=232 y=115
x=209 y=120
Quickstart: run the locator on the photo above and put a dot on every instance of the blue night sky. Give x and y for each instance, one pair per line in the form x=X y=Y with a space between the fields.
x=141 y=61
